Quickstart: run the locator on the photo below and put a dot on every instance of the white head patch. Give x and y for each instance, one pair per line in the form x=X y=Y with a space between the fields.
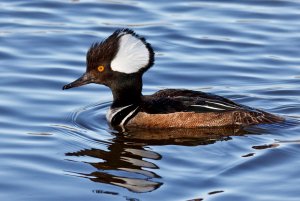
x=132 y=55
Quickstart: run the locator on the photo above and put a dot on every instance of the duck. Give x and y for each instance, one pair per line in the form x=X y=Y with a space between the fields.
x=120 y=61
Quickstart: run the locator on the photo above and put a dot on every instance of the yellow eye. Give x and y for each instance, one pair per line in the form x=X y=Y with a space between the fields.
x=100 y=68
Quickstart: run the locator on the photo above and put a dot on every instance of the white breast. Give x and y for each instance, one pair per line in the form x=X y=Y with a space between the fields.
x=112 y=112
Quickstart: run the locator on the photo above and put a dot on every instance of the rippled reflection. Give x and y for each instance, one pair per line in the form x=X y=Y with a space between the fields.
x=119 y=158
x=128 y=162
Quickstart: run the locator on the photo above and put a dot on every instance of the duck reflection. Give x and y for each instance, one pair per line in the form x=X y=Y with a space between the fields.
x=128 y=162
x=123 y=158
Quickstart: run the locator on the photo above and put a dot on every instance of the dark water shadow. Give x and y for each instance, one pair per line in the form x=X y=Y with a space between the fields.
x=129 y=163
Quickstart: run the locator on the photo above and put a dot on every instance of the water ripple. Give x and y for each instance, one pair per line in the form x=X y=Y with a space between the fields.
x=244 y=50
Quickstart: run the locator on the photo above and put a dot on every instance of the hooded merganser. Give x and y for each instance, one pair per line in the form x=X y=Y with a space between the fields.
x=120 y=61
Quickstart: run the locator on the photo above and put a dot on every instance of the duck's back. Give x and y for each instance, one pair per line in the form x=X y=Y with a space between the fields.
x=191 y=109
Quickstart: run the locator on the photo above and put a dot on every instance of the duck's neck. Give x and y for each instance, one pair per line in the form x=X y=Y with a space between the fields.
x=127 y=92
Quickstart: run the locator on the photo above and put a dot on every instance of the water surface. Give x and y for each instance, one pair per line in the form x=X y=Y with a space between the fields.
x=56 y=145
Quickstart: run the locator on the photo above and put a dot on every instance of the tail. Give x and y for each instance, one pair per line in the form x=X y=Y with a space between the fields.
x=245 y=118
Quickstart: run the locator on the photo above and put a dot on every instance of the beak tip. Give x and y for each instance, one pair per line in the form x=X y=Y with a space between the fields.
x=65 y=87
x=84 y=79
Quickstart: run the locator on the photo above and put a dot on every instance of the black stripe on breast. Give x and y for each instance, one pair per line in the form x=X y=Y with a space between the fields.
x=125 y=113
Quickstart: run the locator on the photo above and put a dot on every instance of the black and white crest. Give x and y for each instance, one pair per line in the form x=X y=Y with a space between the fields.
x=124 y=50
x=134 y=53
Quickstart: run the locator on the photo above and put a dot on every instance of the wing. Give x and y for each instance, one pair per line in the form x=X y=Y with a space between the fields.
x=173 y=100
x=191 y=93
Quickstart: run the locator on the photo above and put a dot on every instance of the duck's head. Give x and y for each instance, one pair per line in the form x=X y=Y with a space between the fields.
x=123 y=55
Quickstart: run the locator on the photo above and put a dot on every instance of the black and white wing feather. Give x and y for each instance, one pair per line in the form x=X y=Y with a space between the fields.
x=212 y=106
x=174 y=100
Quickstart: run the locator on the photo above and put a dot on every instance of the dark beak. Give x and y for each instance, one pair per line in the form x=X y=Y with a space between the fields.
x=84 y=79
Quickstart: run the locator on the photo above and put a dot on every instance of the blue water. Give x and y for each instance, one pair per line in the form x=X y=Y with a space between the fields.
x=56 y=145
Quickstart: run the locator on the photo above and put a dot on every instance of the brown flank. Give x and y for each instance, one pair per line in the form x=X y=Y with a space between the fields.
x=196 y=120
